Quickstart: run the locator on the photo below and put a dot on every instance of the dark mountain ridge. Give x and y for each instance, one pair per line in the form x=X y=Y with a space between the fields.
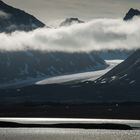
x=25 y=65
x=71 y=21
x=126 y=73
x=131 y=13
x=121 y=84
x=12 y=19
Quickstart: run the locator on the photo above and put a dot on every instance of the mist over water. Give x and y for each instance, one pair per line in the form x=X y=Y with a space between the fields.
x=98 y=34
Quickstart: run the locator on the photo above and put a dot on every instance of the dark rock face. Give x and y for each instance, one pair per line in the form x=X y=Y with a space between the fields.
x=24 y=65
x=71 y=21
x=131 y=13
x=126 y=73
x=119 y=85
x=114 y=54
x=12 y=19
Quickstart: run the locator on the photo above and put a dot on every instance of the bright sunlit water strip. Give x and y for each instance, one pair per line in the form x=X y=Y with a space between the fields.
x=70 y=120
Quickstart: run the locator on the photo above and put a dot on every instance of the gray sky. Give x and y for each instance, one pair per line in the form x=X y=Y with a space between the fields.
x=54 y=11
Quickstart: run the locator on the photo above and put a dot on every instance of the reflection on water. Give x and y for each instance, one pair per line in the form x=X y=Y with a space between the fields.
x=133 y=123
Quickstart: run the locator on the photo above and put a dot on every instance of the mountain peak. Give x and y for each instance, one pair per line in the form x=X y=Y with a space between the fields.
x=2 y=3
x=132 y=9
x=72 y=18
x=12 y=19
x=71 y=21
x=131 y=13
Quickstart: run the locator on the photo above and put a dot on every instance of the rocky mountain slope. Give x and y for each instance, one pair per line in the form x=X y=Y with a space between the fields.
x=71 y=21
x=131 y=13
x=25 y=65
x=12 y=19
x=121 y=84
x=126 y=73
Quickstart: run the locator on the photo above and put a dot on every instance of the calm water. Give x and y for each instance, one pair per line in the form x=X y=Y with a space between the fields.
x=67 y=134
x=71 y=120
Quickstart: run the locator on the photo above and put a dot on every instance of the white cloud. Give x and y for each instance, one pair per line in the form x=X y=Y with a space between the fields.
x=98 y=34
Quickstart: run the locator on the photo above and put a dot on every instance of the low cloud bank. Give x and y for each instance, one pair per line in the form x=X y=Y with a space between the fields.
x=99 y=34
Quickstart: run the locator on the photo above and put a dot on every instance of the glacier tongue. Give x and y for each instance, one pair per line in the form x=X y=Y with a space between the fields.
x=85 y=76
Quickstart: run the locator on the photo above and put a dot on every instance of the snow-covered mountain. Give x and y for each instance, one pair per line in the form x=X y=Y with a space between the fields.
x=71 y=21
x=125 y=74
x=12 y=19
x=25 y=65
x=131 y=13
x=121 y=84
